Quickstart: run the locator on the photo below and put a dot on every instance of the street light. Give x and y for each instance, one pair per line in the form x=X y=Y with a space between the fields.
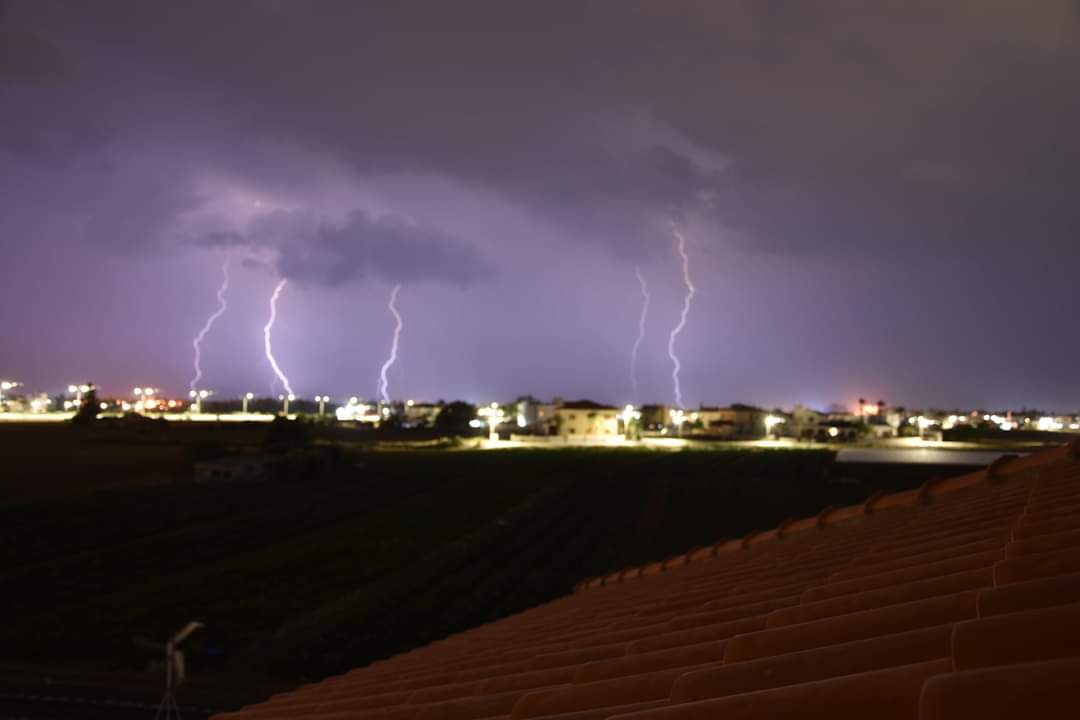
x=247 y=396
x=629 y=415
x=678 y=417
x=494 y=415
x=286 y=399
x=143 y=393
x=197 y=397
x=322 y=400
x=772 y=421
x=7 y=385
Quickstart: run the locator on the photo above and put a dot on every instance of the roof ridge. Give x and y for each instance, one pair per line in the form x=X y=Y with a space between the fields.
x=1005 y=468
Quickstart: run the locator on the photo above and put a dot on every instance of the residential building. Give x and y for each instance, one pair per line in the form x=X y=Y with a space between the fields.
x=533 y=416
x=735 y=421
x=586 y=419
x=420 y=415
x=803 y=422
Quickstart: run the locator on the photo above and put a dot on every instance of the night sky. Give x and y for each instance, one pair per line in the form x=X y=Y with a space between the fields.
x=879 y=199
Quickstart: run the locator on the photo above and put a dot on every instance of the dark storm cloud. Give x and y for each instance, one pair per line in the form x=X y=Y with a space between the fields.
x=136 y=218
x=28 y=56
x=391 y=249
x=388 y=248
x=33 y=76
x=222 y=239
x=387 y=91
x=821 y=109
x=593 y=117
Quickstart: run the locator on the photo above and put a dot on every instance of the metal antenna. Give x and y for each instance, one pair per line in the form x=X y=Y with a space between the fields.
x=174 y=672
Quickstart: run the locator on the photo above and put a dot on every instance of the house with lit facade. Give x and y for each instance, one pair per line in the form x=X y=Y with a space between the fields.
x=586 y=419
x=736 y=421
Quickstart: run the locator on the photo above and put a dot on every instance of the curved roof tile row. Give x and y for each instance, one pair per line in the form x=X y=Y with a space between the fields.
x=1007 y=466
x=959 y=599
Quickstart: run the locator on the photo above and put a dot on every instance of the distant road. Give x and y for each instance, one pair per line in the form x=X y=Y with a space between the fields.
x=922 y=456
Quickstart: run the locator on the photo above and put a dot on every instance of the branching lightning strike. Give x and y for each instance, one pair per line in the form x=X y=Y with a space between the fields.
x=690 y=290
x=384 y=383
x=641 y=330
x=222 y=306
x=266 y=337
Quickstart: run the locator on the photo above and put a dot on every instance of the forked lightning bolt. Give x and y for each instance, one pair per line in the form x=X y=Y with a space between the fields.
x=266 y=337
x=384 y=384
x=641 y=330
x=222 y=306
x=681 y=246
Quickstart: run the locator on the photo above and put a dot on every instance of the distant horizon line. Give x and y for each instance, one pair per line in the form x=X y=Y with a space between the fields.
x=835 y=407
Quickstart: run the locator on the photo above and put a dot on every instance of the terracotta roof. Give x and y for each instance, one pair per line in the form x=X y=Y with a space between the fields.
x=959 y=599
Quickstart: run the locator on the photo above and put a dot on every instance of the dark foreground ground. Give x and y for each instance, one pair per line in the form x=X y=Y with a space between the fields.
x=337 y=563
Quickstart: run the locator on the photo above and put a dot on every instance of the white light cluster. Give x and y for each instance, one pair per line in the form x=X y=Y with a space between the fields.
x=356 y=411
x=492 y=415
x=1050 y=424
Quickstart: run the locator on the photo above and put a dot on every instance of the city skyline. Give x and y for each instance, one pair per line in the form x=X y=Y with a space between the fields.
x=862 y=217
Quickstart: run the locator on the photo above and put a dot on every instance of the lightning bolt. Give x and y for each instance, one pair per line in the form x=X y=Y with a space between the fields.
x=266 y=337
x=641 y=329
x=384 y=384
x=222 y=306
x=690 y=290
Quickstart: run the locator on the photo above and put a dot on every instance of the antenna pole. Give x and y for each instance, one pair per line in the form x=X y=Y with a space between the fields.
x=168 y=709
x=174 y=672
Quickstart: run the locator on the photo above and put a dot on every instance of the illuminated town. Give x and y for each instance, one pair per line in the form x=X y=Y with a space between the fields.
x=528 y=420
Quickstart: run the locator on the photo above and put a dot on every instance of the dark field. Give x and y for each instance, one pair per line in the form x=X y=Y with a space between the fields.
x=43 y=460
x=318 y=572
